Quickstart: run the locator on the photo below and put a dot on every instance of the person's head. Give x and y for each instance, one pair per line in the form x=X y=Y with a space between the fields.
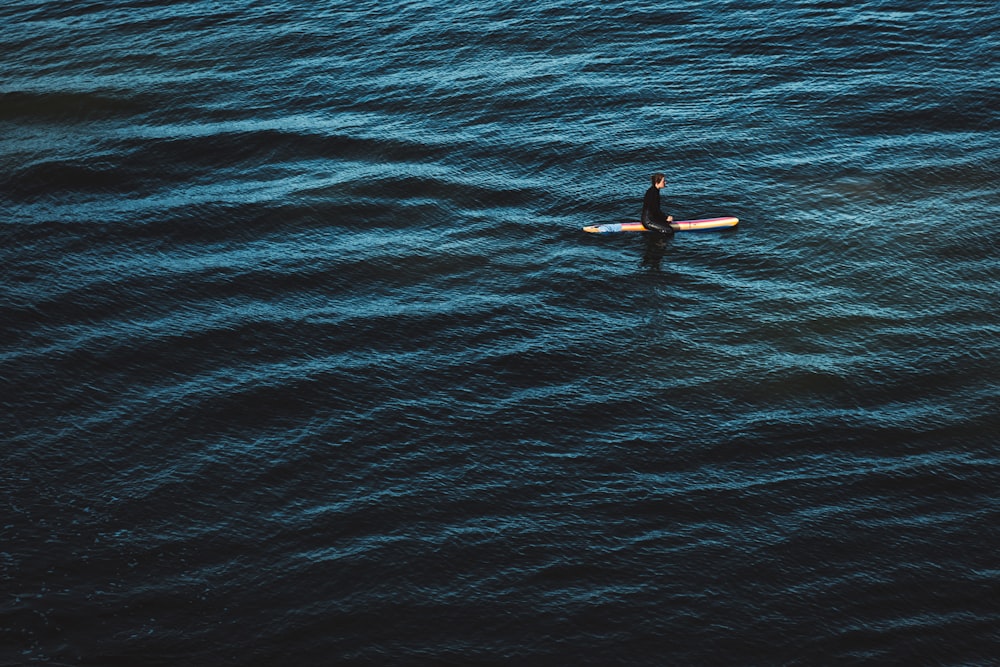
x=658 y=179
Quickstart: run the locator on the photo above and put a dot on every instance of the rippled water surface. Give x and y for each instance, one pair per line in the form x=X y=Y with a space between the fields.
x=305 y=358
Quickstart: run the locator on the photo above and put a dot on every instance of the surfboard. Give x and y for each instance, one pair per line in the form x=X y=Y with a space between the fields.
x=678 y=225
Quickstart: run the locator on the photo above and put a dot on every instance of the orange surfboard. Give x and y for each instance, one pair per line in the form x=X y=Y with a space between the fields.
x=678 y=225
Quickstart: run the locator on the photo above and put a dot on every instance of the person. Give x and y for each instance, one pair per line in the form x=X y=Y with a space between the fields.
x=653 y=217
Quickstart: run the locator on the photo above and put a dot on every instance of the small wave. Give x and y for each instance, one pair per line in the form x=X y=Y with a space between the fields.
x=67 y=106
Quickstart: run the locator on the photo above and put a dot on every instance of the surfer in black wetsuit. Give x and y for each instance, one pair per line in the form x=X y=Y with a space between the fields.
x=653 y=217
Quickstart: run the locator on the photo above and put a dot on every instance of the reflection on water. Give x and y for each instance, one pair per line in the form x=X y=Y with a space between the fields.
x=654 y=250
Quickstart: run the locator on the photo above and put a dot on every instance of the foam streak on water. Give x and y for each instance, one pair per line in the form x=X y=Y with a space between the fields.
x=305 y=359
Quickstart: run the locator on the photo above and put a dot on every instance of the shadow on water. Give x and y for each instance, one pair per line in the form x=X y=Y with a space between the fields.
x=655 y=248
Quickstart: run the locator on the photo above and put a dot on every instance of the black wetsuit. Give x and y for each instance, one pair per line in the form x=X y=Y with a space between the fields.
x=653 y=217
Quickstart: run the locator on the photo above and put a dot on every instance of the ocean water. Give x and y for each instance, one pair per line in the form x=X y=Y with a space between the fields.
x=305 y=359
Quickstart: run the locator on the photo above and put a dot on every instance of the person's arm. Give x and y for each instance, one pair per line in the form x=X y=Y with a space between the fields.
x=651 y=204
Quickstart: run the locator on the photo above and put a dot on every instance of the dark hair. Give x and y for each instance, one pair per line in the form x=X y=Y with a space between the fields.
x=657 y=177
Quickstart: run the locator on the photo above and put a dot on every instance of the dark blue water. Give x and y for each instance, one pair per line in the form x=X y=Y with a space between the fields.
x=305 y=359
